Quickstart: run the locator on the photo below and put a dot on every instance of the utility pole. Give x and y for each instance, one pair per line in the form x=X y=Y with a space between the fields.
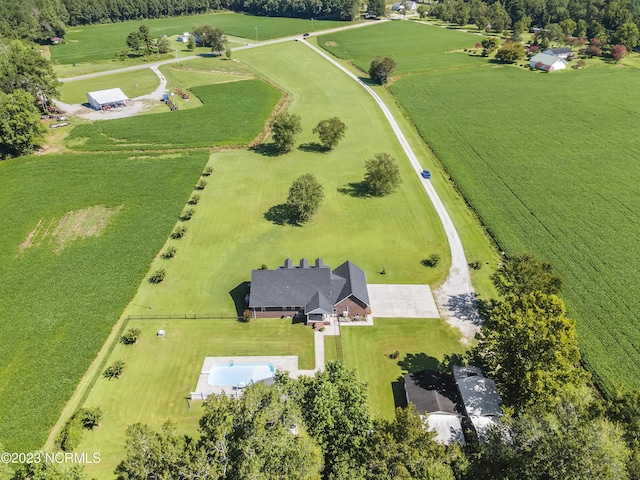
x=256 y=34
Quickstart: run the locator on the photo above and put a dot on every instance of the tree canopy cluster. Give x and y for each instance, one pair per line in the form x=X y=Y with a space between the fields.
x=25 y=78
x=614 y=22
x=34 y=20
x=312 y=428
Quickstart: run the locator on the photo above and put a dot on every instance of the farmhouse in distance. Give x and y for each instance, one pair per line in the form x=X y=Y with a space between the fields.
x=312 y=291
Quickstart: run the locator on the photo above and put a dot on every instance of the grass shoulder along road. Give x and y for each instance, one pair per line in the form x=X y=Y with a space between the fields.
x=134 y=84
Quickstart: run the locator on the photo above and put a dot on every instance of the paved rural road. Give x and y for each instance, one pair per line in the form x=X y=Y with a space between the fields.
x=456 y=296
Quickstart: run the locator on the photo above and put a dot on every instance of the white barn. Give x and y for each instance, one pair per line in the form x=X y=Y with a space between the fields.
x=548 y=63
x=113 y=97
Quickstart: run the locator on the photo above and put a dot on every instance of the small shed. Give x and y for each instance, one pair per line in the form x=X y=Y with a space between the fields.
x=435 y=397
x=548 y=63
x=56 y=40
x=106 y=99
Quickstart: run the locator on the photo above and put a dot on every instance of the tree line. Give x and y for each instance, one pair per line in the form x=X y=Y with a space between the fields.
x=613 y=22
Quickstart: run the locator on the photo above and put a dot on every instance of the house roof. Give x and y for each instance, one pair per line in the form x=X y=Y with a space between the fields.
x=312 y=286
x=112 y=95
x=558 y=51
x=431 y=392
x=545 y=59
x=479 y=394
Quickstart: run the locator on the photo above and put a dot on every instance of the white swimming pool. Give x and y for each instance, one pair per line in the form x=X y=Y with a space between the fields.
x=239 y=374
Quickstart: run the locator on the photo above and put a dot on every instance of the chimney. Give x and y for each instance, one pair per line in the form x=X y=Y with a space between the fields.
x=319 y=263
x=288 y=263
x=304 y=263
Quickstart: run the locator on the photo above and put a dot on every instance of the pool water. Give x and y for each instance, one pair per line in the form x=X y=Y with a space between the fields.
x=239 y=374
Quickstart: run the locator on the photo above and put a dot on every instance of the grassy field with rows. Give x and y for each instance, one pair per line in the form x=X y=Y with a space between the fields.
x=552 y=169
x=233 y=114
x=415 y=47
x=79 y=233
x=89 y=43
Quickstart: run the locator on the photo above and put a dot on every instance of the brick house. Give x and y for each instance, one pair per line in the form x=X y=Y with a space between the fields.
x=313 y=291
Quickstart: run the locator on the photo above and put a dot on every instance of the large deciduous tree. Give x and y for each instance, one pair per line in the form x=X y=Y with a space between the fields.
x=305 y=196
x=381 y=68
x=404 y=448
x=510 y=52
x=140 y=39
x=566 y=443
x=524 y=274
x=530 y=347
x=382 y=175
x=334 y=407
x=211 y=37
x=376 y=7
x=20 y=128
x=285 y=130
x=330 y=131
x=22 y=67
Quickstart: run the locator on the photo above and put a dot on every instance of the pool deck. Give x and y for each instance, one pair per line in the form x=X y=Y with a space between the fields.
x=203 y=389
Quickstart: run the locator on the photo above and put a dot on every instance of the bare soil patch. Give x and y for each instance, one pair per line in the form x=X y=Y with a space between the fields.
x=75 y=225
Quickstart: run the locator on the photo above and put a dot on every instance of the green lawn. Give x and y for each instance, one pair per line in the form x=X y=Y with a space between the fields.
x=415 y=47
x=89 y=43
x=187 y=75
x=233 y=114
x=133 y=84
x=421 y=343
x=60 y=296
x=546 y=179
x=229 y=234
x=160 y=373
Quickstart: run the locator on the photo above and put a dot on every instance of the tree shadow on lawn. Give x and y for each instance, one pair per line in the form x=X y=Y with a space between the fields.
x=416 y=362
x=280 y=215
x=367 y=81
x=355 y=189
x=267 y=150
x=313 y=147
x=238 y=295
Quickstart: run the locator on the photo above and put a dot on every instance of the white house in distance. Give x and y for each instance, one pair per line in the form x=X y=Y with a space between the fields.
x=399 y=7
x=184 y=38
x=106 y=99
x=548 y=63
x=561 y=52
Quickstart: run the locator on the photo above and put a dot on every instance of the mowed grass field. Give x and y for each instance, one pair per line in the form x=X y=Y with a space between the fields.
x=553 y=171
x=90 y=43
x=415 y=47
x=232 y=114
x=79 y=233
x=161 y=372
x=133 y=84
x=229 y=234
x=421 y=343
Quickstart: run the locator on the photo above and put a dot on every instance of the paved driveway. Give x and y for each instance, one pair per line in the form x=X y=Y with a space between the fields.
x=402 y=301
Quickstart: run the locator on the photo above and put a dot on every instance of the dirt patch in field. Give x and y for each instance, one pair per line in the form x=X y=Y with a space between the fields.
x=331 y=44
x=81 y=224
x=75 y=225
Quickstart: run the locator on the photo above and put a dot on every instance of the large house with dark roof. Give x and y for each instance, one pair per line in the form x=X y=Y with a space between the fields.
x=310 y=290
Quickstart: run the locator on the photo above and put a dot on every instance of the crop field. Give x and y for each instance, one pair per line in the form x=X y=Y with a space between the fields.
x=160 y=373
x=414 y=46
x=421 y=344
x=79 y=232
x=232 y=114
x=552 y=170
x=89 y=43
x=133 y=84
